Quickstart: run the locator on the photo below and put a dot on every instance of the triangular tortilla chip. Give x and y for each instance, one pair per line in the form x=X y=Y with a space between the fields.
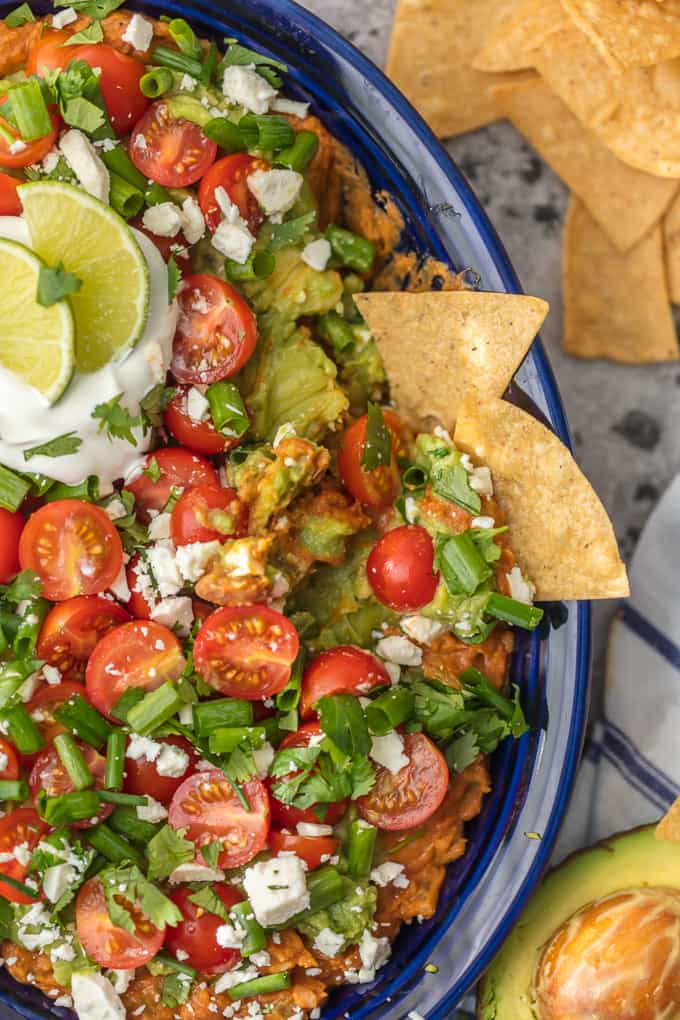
x=669 y=826
x=559 y=530
x=625 y=202
x=671 y=236
x=616 y=305
x=629 y=33
x=516 y=33
x=438 y=345
x=433 y=43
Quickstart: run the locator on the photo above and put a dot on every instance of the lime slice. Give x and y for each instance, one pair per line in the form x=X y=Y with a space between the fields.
x=92 y=241
x=37 y=344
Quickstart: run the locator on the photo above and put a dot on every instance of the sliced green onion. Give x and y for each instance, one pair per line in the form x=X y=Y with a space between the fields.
x=256 y=939
x=223 y=741
x=406 y=840
x=325 y=886
x=125 y=821
x=165 y=960
x=210 y=63
x=19 y=886
x=115 y=760
x=261 y=985
x=226 y=134
x=390 y=710
x=125 y=799
x=300 y=154
x=156 y=82
x=184 y=38
x=462 y=565
x=68 y=808
x=81 y=718
x=267 y=132
x=22 y=731
x=336 y=331
x=112 y=846
x=177 y=61
x=13 y=489
x=124 y=198
x=361 y=848
x=415 y=477
x=128 y=699
x=87 y=490
x=29 y=110
x=259 y=266
x=156 y=194
x=222 y=714
x=72 y=759
x=351 y=250
x=13 y=789
x=118 y=162
x=227 y=409
x=288 y=699
x=30 y=624
x=155 y=708
x=518 y=614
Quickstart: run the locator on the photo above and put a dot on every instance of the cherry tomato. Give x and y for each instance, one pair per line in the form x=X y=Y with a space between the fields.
x=195 y=938
x=167 y=246
x=32 y=152
x=287 y=817
x=19 y=827
x=379 y=487
x=179 y=470
x=11 y=526
x=407 y=799
x=216 y=331
x=42 y=706
x=246 y=651
x=49 y=774
x=142 y=776
x=104 y=942
x=10 y=203
x=400 y=569
x=48 y=52
x=138 y=604
x=206 y=514
x=315 y=850
x=170 y=151
x=9 y=760
x=207 y=806
x=232 y=173
x=137 y=654
x=72 y=629
x=200 y=436
x=342 y=670
x=119 y=83
x=73 y=547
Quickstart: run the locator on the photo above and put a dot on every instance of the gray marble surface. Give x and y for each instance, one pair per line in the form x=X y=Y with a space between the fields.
x=625 y=420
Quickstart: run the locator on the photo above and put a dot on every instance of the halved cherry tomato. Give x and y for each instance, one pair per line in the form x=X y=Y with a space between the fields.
x=48 y=52
x=406 y=799
x=170 y=151
x=379 y=487
x=179 y=470
x=104 y=942
x=49 y=774
x=11 y=526
x=30 y=152
x=315 y=850
x=216 y=331
x=142 y=776
x=42 y=707
x=232 y=173
x=137 y=654
x=201 y=436
x=207 y=806
x=73 y=547
x=139 y=605
x=195 y=938
x=119 y=82
x=9 y=760
x=19 y=827
x=341 y=670
x=207 y=514
x=287 y=817
x=246 y=651
x=72 y=629
x=400 y=569
x=10 y=203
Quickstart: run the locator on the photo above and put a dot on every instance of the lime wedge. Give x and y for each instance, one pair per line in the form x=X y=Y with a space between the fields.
x=92 y=241
x=37 y=344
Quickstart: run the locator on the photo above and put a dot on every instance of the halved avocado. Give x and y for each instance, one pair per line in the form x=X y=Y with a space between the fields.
x=629 y=860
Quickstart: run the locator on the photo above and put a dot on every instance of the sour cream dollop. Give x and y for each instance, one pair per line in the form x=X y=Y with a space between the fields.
x=27 y=420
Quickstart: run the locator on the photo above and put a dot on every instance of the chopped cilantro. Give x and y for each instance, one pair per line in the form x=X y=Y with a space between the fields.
x=54 y=284
x=117 y=420
x=168 y=850
x=62 y=446
x=19 y=16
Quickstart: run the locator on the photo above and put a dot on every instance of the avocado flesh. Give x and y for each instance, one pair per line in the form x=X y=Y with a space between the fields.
x=631 y=860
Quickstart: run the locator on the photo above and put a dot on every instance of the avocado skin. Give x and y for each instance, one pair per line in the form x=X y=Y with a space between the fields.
x=626 y=860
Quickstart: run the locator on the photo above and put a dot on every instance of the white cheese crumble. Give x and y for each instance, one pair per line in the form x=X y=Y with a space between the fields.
x=388 y=751
x=420 y=629
x=192 y=560
x=121 y=980
x=520 y=588
x=197 y=405
x=159 y=528
x=316 y=254
x=277 y=191
x=400 y=650
x=57 y=879
x=481 y=482
x=172 y=761
x=329 y=942
x=175 y=611
x=165 y=568
x=81 y=155
x=139 y=33
x=195 y=872
x=120 y=587
x=94 y=997
x=291 y=106
x=153 y=811
x=390 y=872
x=234 y=977
x=230 y=936
x=63 y=18
x=277 y=889
x=482 y=522
x=312 y=829
x=243 y=86
x=263 y=757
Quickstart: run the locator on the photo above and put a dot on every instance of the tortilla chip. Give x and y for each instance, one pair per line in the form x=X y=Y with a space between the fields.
x=625 y=202
x=636 y=114
x=669 y=826
x=438 y=345
x=671 y=235
x=629 y=33
x=559 y=530
x=509 y=43
x=433 y=43
x=616 y=305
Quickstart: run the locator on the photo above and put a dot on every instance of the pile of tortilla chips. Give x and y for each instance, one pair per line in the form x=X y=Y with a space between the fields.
x=594 y=85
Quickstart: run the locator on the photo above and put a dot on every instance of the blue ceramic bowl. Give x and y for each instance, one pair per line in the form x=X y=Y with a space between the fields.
x=485 y=890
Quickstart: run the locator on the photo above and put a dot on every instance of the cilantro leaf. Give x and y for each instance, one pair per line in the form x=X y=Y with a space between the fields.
x=94 y=33
x=323 y=778
x=484 y=540
x=26 y=585
x=241 y=56
x=154 y=403
x=208 y=900
x=283 y=235
x=168 y=850
x=448 y=476
x=153 y=471
x=97 y=9
x=174 y=278
x=377 y=450
x=6 y=919
x=19 y=16
x=342 y=720
x=211 y=855
x=117 y=420
x=175 y=989
x=462 y=751
x=133 y=533
x=362 y=776
x=127 y=884
x=83 y=114
x=78 y=94
x=62 y=446
x=294 y=759
x=54 y=284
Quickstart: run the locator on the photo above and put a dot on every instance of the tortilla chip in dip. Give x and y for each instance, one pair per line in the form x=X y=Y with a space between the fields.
x=433 y=44
x=629 y=33
x=671 y=234
x=438 y=345
x=669 y=826
x=625 y=202
x=515 y=33
x=616 y=305
x=561 y=534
